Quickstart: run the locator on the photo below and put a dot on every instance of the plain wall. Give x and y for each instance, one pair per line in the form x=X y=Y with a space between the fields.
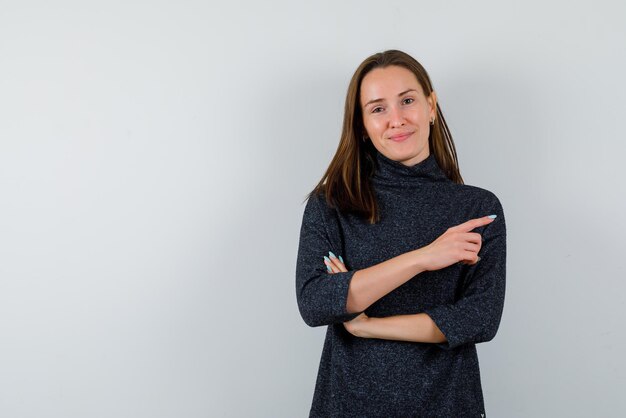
x=154 y=158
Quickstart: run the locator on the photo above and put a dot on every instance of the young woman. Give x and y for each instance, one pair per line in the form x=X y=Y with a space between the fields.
x=389 y=260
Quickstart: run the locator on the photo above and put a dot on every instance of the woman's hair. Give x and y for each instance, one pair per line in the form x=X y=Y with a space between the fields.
x=347 y=181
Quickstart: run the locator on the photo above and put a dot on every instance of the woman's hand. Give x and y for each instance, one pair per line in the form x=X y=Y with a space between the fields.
x=454 y=245
x=334 y=264
x=357 y=325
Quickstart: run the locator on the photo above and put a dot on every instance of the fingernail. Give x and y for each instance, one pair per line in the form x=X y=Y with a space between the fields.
x=477 y=259
x=332 y=255
x=492 y=216
x=329 y=269
x=327 y=260
x=341 y=259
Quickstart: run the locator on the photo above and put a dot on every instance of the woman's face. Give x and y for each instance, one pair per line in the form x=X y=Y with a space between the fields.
x=397 y=114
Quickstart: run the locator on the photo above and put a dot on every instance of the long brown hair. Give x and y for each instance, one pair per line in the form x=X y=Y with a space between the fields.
x=347 y=181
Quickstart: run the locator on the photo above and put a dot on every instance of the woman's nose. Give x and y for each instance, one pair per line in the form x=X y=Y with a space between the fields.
x=396 y=118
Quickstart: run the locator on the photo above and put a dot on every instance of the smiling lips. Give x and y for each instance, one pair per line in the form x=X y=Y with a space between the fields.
x=400 y=137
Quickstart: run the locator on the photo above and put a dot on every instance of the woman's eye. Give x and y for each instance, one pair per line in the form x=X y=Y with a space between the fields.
x=377 y=110
x=408 y=100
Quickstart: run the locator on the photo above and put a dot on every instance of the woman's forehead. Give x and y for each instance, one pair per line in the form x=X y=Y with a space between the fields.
x=388 y=82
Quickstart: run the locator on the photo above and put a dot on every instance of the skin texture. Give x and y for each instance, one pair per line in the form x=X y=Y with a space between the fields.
x=393 y=104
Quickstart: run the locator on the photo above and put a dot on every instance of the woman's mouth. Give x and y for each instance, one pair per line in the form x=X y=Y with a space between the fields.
x=400 y=137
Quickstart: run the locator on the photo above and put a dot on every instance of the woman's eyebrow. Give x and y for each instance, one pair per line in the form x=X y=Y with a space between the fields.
x=381 y=100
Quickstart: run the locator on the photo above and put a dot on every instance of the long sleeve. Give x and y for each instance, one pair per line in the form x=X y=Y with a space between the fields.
x=475 y=316
x=321 y=296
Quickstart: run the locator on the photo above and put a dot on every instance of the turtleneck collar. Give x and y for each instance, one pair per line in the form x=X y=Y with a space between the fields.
x=395 y=173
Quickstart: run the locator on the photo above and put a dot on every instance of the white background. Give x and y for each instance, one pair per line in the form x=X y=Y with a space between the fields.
x=154 y=157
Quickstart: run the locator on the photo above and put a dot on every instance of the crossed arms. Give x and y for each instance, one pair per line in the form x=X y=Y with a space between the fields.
x=341 y=297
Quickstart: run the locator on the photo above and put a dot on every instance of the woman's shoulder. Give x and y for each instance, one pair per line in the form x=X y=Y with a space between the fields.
x=316 y=203
x=316 y=197
x=475 y=190
x=471 y=193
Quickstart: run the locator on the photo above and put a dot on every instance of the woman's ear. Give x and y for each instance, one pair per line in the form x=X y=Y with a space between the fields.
x=432 y=100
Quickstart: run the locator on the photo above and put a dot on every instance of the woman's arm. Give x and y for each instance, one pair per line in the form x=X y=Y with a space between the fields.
x=370 y=284
x=474 y=318
x=416 y=327
x=419 y=328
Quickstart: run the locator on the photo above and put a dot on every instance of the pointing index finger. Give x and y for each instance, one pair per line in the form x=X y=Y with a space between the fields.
x=475 y=223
